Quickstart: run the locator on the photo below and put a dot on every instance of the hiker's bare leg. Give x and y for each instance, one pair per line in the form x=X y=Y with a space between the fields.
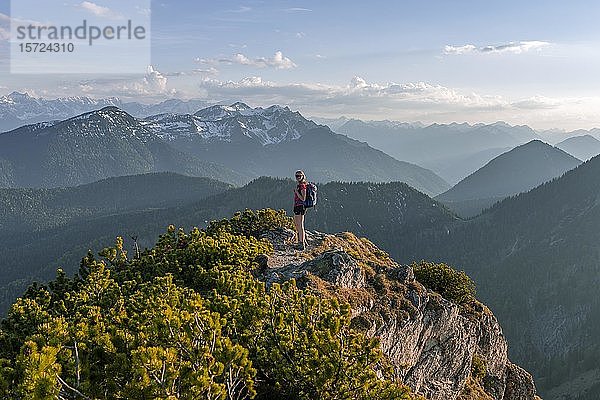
x=302 y=238
x=298 y=224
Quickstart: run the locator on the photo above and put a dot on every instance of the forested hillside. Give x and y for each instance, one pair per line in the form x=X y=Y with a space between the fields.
x=393 y=214
x=218 y=313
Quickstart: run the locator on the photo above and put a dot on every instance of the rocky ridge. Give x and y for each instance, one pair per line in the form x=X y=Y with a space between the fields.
x=442 y=350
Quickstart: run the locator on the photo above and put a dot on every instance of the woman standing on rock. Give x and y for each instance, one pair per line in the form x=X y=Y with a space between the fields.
x=299 y=208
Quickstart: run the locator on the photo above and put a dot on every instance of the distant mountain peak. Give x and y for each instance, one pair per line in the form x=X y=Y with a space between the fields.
x=107 y=121
x=108 y=113
x=19 y=95
x=535 y=142
x=583 y=147
x=15 y=97
x=239 y=106
x=518 y=170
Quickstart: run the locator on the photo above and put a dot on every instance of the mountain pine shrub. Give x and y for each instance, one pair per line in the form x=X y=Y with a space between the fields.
x=453 y=285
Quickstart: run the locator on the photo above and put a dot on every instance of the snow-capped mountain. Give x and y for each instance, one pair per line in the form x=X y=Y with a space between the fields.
x=18 y=109
x=235 y=123
x=231 y=143
x=92 y=146
x=274 y=141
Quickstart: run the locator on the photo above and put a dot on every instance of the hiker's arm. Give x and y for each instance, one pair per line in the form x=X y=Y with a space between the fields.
x=302 y=194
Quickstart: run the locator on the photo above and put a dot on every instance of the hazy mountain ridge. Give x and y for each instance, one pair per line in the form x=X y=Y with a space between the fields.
x=447 y=149
x=537 y=252
x=518 y=170
x=583 y=147
x=29 y=210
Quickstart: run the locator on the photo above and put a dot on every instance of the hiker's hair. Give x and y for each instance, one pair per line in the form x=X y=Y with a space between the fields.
x=303 y=175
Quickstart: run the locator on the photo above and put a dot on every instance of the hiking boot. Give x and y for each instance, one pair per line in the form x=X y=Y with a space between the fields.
x=300 y=246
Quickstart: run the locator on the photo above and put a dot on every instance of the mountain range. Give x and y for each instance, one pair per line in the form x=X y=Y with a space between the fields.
x=92 y=146
x=583 y=147
x=453 y=151
x=229 y=143
x=18 y=109
x=518 y=170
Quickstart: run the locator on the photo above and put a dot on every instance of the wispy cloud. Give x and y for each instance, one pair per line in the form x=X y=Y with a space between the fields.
x=277 y=61
x=512 y=47
x=5 y=22
x=99 y=11
x=210 y=72
x=298 y=9
x=240 y=9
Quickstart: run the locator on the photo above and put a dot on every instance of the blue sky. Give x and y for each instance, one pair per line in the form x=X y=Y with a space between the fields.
x=531 y=62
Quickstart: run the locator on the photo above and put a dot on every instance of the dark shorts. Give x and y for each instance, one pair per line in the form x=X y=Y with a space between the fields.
x=299 y=210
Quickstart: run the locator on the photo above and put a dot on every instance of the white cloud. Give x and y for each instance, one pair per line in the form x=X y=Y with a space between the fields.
x=99 y=11
x=468 y=48
x=241 y=59
x=359 y=95
x=154 y=81
x=513 y=47
x=300 y=35
x=410 y=101
x=298 y=9
x=210 y=71
x=277 y=61
x=153 y=86
x=516 y=48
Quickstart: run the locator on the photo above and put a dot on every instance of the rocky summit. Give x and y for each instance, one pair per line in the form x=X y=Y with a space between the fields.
x=441 y=349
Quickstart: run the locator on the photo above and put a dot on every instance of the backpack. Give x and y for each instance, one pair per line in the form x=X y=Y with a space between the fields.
x=311 y=195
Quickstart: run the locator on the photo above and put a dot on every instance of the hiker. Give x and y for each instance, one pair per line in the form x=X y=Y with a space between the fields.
x=299 y=208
